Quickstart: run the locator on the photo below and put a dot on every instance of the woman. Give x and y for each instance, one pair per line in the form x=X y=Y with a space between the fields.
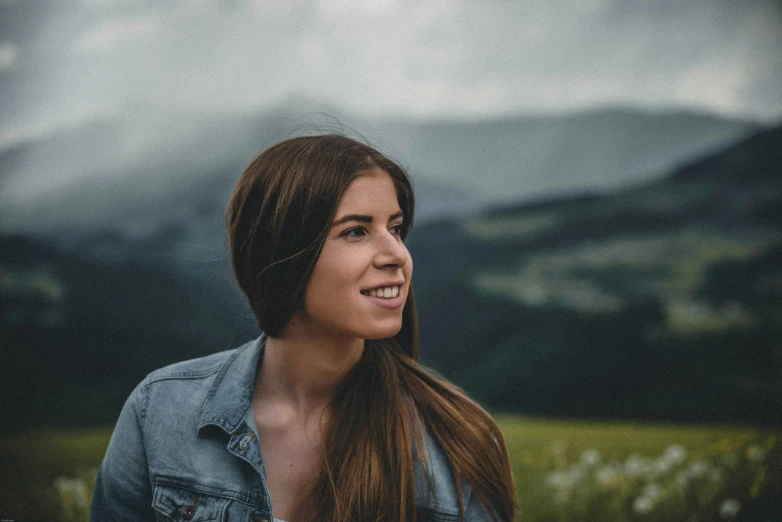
x=350 y=426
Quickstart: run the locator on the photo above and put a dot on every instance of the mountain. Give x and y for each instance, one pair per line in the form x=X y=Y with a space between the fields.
x=660 y=301
x=78 y=335
x=151 y=187
x=653 y=300
x=136 y=172
x=502 y=161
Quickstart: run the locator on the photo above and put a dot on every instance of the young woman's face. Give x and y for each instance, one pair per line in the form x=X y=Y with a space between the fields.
x=361 y=280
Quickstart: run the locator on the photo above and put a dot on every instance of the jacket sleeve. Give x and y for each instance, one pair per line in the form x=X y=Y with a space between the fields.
x=122 y=487
x=474 y=510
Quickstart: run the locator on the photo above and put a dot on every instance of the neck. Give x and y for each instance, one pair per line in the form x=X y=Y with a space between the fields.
x=304 y=370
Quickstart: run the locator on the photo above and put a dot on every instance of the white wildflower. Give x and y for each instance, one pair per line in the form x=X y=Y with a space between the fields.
x=564 y=479
x=756 y=453
x=642 y=505
x=607 y=476
x=661 y=467
x=698 y=468
x=729 y=508
x=636 y=466
x=675 y=454
x=653 y=491
x=62 y=485
x=73 y=491
x=590 y=457
x=557 y=479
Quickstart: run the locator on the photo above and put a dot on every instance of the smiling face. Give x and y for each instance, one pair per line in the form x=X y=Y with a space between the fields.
x=361 y=279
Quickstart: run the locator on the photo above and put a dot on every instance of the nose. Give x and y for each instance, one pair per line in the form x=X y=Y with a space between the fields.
x=392 y=252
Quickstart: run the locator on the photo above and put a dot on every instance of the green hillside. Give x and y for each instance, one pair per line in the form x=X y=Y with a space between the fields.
x=660 y=301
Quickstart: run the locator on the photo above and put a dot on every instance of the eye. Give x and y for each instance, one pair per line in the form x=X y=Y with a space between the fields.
x=396 y=229
x=354 y=232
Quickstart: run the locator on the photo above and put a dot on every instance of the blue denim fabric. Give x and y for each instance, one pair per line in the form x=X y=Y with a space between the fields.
x=182 y=450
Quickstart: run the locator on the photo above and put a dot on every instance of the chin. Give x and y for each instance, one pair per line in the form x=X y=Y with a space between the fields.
x=384 y=332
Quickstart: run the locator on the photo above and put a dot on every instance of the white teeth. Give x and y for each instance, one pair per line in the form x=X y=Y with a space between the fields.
x=384 y=293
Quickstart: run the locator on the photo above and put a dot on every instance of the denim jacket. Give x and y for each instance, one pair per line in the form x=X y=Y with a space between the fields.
x=182 y=449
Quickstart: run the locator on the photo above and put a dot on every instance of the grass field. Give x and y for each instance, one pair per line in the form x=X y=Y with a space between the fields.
x=610 y=471
x=564 y=470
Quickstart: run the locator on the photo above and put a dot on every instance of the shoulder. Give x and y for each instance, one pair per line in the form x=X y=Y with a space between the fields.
x=192 y=378
x=191 y=368
x=191 y=371
x=181 y=388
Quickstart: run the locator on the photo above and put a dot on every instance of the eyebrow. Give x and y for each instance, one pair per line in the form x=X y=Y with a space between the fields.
x=363 y=218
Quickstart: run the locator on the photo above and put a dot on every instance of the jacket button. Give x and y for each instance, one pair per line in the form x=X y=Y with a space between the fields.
x=188 y=512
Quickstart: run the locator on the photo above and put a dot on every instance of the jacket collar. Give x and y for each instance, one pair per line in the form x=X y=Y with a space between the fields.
x=231 y=394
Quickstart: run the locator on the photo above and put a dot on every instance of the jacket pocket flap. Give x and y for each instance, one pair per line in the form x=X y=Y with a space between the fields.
x=189 y=506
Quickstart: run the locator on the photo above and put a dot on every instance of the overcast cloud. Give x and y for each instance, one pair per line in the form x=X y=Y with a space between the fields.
x=429 y=58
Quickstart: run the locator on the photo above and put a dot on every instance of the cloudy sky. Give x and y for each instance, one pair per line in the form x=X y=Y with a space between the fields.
x=62 y=62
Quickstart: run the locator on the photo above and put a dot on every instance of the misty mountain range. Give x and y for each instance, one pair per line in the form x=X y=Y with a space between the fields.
x=585 y=305
x=660 y=301
x=135 y=173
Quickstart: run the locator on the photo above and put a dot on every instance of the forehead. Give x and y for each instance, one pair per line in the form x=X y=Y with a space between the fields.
x=371 y=190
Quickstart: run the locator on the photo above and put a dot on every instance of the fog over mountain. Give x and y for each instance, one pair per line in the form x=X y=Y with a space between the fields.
x=66 y=62
x=141 y=172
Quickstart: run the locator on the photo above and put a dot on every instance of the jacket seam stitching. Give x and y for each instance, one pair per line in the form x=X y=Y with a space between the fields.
x=164 y=481
x=144 y=405
x=186 y=375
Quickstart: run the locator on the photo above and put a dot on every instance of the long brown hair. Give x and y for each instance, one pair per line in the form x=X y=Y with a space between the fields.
x=277 y=220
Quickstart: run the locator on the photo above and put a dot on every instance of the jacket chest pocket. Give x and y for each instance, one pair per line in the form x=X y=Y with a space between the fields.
x=174 y=504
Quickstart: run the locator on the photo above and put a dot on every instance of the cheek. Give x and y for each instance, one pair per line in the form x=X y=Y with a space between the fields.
x=336 y=273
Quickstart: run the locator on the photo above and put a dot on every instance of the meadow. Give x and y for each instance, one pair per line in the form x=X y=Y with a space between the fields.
x=564 y=470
